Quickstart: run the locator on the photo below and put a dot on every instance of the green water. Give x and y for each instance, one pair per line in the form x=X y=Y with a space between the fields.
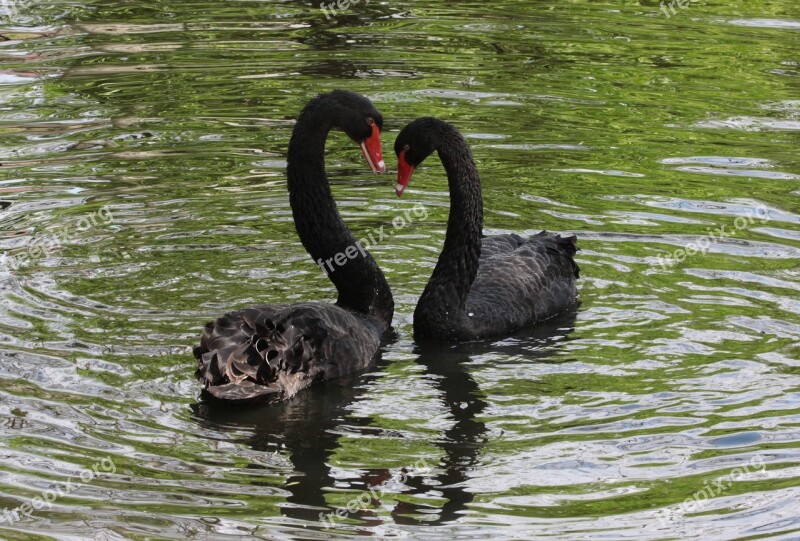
x=143 y=151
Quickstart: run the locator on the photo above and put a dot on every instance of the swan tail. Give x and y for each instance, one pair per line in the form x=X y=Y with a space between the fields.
x=559 y=246
x=257 y=356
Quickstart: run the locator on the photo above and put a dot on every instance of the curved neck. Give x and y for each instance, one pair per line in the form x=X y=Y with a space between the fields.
x=446 y=294
x=358 y=279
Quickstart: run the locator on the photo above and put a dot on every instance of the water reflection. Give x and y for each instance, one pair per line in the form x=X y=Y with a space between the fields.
x=449 y=367
x=618 y=125
x=306 y=429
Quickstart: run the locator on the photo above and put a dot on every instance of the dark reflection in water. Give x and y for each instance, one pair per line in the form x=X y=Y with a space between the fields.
x=449 y=366
x=306 y=427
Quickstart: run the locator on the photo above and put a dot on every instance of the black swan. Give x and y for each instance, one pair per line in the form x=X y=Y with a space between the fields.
x=269 y=353
x=481 y=286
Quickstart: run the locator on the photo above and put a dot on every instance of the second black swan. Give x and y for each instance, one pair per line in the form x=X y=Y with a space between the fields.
x=268 y=353
x=482 y=286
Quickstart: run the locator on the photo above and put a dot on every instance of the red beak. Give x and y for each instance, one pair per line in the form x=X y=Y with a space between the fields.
x=404 y=172
x=371 y=148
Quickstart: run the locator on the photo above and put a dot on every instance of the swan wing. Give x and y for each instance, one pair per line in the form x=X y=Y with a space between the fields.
x=522 y=281
x=269 y=353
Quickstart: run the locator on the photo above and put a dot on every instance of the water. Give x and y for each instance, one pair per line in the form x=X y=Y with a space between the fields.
x=142 y=148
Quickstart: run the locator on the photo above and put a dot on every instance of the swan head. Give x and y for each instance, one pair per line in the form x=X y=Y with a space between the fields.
x=355 y=115
x=415 y=142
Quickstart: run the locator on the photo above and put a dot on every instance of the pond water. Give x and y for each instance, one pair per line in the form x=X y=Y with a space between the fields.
x=143 y=151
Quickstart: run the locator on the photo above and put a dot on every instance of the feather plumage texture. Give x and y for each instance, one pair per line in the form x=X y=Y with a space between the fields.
x=521 y=281
x=483 y=286
x=269 y=353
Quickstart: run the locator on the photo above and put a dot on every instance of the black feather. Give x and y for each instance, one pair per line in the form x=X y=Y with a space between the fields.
x=484 y=286
x=269 y=353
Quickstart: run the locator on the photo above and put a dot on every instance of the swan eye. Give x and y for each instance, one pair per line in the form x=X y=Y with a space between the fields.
x=370 y=121
x=407 y=148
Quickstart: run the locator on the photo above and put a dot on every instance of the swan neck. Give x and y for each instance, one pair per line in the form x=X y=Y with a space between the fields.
x=446 y=294
x=360 y=283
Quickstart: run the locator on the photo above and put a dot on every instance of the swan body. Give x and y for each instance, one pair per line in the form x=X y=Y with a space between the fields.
x=482 y=287
x=269 y=353
x=520 y=282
